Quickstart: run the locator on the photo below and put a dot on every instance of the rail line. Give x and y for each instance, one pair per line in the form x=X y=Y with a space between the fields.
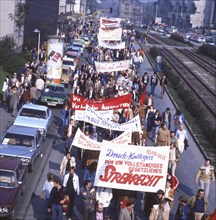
x=210 y=68
x=200 y=89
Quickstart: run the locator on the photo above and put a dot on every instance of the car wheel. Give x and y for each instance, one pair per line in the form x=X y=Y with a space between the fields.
x=30 y=167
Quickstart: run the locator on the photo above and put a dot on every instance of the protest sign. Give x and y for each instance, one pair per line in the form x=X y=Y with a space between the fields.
x=80 y=114
x=103 y=67
x=82 y=141
x=110 y=22
x=115 y=34
x=92 y=117
x=110 y=45
x=132 y=167
x=77 y=102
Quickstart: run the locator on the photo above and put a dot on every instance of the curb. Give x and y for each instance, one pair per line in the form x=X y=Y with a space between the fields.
x=202 y=150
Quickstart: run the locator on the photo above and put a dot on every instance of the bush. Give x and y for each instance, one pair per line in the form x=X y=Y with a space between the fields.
x=177 y=37
x=191 y=102
x=208 y=50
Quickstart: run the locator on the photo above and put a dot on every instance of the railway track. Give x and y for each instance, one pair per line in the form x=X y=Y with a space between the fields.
x=209 y=67
x=165 y=40
x=200 y=89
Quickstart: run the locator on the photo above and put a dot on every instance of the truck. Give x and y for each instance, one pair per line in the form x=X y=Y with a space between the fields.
x=55 y=51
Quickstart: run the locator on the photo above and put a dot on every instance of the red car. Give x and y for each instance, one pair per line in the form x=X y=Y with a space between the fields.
x=12 y=184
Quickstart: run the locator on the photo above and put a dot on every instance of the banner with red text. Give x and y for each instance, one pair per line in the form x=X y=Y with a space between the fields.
x=112 y=44
x=82 y=141
x=110 y=22
x=103 y=67
x=77 y=102
x=131 y=167
x=115 y=34
x=92 y=117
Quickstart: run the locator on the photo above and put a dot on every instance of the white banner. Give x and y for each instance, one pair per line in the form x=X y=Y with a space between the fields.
x=132 y=167
x=80 y=114
x=110 y=45
x=82 y=141
x=115 y=34
x=92 y=117
x=112 y=66
x=110 y=22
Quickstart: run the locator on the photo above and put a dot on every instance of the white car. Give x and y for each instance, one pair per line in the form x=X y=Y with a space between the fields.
x=36 y=116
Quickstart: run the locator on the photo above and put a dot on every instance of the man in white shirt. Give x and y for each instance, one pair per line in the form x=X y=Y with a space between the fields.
x=71 y=183
x=39 y=84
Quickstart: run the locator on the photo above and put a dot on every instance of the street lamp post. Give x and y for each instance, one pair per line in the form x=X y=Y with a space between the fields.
x=38 y=48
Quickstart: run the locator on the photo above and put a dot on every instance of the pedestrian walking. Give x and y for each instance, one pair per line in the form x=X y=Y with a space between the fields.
x=98 y=213
x=166 y=117
x=183 y=211
x=199 y=204
x=182 y=136
x=160 y=211
x=205 y=176
x=56 y=200
x=163 y=85
x=127 y=213
x=64 y=119
x=68 y=161
x=162 y=137
x=178 y=119
x=14 y=100
x=159 y=62
x=89 y=196
x=71 y=184
x=153 y=82
x=172 y=159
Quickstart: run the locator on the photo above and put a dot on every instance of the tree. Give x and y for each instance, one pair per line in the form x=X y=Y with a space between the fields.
x=18 y=17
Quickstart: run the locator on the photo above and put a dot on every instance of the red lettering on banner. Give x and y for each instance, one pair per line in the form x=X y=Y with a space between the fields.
x=110 y=175
x=77 y=102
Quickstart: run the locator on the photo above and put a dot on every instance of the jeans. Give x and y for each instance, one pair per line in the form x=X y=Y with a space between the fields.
x=205 y=185
x=57 y=213
x=153 y=88
x=155 y=130
x=158 y=67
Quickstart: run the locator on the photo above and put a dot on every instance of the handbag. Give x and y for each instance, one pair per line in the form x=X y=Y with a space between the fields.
x=186 y=144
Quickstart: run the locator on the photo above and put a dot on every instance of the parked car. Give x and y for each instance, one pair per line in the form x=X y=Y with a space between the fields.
x=87 y=42
x=73 y=52
x=77 y=45
x=53 y=95
x=36 y=116
x=12 y=184
x=22 y=142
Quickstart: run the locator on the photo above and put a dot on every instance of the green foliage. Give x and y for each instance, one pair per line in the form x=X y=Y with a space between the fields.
x=177 y=37
x=11 y=61
x=208 y=50
x=20 y=13
x=192 y=103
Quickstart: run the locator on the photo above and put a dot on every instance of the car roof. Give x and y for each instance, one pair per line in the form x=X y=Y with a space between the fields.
x=23 y=130
x=55 y=84
x=9 y=163
x=34 y=106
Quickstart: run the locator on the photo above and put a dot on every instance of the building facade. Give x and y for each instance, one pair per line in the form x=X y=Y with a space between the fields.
x=8 y=27
x=186 y=14
x=133 y=11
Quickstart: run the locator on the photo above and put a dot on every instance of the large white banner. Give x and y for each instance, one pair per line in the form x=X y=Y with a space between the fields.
x=110 y=22
x=92 y=117
x=80 y=114
x=131 y=167
x=111 y=45
x=115 y=34
x=103 y=67
x=82 y=141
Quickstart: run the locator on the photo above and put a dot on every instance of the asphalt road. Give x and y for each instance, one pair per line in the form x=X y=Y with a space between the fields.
x=30 y=206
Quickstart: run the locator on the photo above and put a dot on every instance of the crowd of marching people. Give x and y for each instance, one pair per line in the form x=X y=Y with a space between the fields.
x=159 y=128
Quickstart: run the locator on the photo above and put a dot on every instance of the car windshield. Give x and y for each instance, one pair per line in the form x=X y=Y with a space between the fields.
x=54 y=89
x=67 y=62
x=18 y=139
x=7 y=178
x=33 y=113
x=78 y=45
